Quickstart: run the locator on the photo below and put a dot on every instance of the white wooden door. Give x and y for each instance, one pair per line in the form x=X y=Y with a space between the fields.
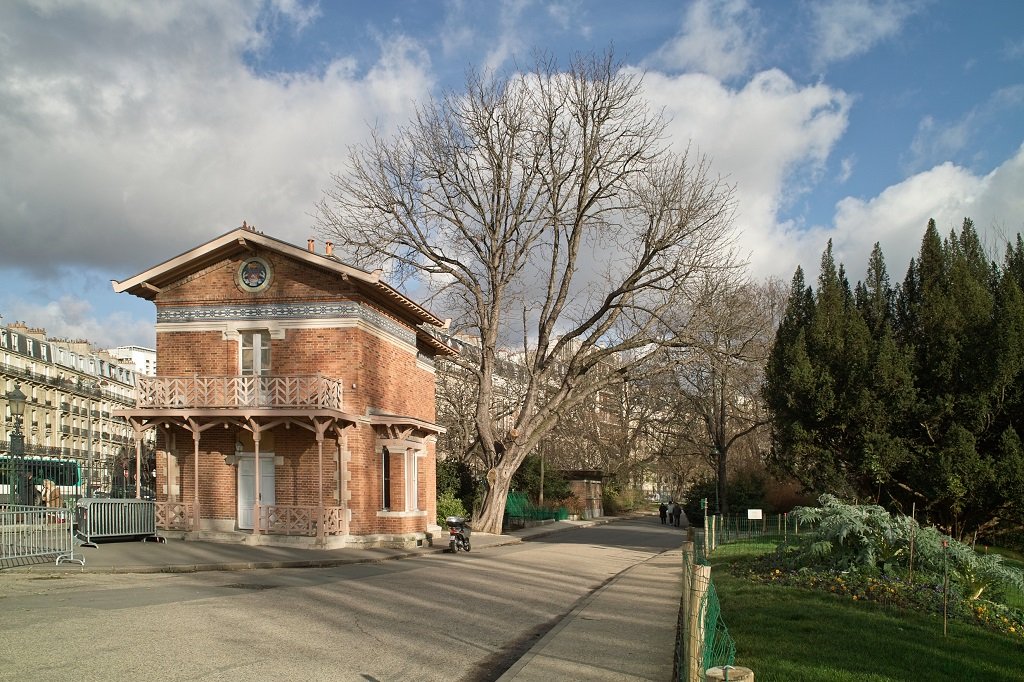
x=247 y=487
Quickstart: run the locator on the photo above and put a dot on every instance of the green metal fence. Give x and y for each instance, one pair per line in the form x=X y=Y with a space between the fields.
x=519 y=510
x=719 y=646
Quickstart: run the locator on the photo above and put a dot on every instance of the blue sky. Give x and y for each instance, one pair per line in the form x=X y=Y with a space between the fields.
x=133 y=131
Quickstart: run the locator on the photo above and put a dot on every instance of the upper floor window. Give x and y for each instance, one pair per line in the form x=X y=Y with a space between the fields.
x=255 y=355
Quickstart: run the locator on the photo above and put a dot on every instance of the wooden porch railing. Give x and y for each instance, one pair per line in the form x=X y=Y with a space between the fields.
x=174 y=516
x=239 y=391
x=301 y=520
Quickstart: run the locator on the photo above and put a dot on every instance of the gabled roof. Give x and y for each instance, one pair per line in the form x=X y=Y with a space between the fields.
x=243 y=240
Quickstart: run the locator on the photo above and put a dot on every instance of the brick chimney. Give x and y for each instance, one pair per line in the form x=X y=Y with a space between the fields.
x=329 y=248
x=311 y=245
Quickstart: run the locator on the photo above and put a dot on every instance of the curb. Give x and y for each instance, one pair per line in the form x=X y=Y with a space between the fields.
x=234 y=566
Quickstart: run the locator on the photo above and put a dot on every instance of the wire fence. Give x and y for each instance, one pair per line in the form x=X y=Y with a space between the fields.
x=769 y=528
x=703 y=640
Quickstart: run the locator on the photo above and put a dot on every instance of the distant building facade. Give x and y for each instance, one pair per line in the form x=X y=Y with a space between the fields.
x=141 y=359
x=73 y=392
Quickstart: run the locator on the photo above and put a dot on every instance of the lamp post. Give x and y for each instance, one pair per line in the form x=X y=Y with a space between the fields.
x=16 y=402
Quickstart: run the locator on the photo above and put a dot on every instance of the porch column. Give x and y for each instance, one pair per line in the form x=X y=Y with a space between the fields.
x=256 y=504
x=320 y=478
x=138 y=470
x=195 y=478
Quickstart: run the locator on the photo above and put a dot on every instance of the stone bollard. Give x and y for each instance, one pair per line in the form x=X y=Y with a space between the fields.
x=730 y=673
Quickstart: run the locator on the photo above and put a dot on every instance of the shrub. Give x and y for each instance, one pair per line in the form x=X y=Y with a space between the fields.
x=449 y=505
x=851 y=536
x=610 y=502
x=527 y=479
x=457 y=477
x=868 y=539
x=745 y=490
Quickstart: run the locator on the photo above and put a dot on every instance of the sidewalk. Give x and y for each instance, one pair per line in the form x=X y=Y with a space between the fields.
x=623 y=631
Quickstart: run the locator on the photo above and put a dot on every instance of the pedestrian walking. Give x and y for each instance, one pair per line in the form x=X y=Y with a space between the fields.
x=677 y=511
x=663 y=512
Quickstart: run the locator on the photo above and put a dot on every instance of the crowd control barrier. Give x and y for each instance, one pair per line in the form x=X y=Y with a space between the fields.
x=30 y=532
x=103 y=518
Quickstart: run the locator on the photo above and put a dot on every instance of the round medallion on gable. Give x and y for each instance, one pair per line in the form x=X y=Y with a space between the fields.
x=254 y=274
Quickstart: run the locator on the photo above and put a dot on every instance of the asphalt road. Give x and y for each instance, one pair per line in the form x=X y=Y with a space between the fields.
x=436 y=617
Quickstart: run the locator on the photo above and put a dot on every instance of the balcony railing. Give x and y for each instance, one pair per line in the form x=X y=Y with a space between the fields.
x=313 y=391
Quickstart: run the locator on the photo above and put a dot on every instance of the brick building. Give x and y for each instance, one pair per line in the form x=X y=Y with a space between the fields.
x=300 y=389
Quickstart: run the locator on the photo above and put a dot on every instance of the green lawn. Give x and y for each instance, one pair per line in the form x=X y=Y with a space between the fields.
x=1013 y=558
x=796 y=634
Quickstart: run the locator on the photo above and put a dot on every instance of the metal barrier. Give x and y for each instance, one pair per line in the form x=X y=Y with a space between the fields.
x=27 y=532
x=99 y=518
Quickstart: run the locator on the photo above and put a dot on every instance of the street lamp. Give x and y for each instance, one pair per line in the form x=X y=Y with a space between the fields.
x=16 y=402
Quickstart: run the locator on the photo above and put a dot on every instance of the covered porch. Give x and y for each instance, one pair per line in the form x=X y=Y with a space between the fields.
x=226 y=418
x=220 y=436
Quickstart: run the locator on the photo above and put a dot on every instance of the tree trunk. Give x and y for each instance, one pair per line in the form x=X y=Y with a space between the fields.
x=723 y=503
x=492 y=512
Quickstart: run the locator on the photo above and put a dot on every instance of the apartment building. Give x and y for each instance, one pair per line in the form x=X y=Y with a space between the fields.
x=72 y=393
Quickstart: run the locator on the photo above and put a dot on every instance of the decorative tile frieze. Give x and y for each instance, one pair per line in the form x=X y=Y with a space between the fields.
x=342 y=310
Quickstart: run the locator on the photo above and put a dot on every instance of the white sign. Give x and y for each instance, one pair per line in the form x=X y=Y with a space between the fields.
x=753 y=514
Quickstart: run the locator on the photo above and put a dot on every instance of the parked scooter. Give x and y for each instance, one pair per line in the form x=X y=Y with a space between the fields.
x=458 y=534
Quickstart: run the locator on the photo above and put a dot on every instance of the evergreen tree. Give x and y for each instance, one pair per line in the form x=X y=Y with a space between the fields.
x=908 y=396
x=790 y=390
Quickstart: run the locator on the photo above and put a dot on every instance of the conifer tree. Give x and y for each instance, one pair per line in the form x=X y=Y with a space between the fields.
x=912 y=395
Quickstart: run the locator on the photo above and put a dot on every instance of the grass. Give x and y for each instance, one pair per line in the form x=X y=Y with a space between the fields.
x=1011 y=556
x=1014 y=598
x=797 y=634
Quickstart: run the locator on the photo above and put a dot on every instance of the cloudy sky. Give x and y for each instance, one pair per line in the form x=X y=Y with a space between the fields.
x=132 y=131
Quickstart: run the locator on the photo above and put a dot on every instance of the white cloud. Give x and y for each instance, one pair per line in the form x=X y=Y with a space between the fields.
x=935 y=141
x=897 y=217
x=74 y=317
x=1014 y=50
x=847 y=28
x=510 y=41
x=718 y=37
x=567 y=14
x=846 y=168
x=154 y=154
x=299 y=13
x=770 y=138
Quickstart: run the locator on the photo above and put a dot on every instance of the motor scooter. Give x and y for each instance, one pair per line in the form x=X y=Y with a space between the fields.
x=458 y=534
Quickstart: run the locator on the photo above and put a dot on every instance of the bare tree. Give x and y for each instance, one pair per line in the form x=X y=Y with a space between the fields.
x=719 y=379
x=542 y=211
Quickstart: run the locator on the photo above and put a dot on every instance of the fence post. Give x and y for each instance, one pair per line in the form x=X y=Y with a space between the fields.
x=695 y=617
x=689 y=561
x=728 y=672
x=707 y=530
